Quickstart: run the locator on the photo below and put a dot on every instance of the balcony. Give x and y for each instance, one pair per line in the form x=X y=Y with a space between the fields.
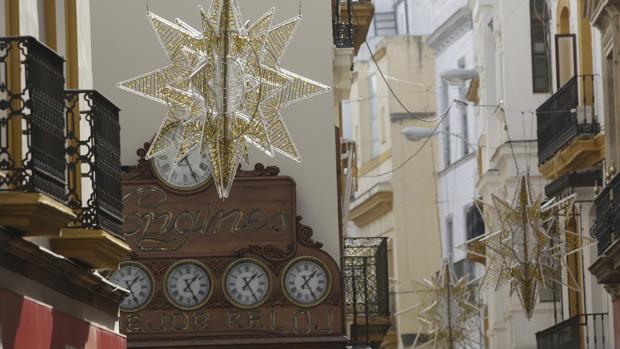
x=95 y=237
x=33 y=184
x=371 y=204
x=366 y=289
x=569 y=135
x=607 y=230
x=581 y=331
x=350 y=22
x=474 y=228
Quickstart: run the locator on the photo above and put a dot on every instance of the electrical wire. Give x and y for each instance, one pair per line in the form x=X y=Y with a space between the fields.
x=372 y=56
x=441 y=118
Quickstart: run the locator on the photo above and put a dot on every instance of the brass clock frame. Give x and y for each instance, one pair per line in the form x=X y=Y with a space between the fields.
x=177 y=189
x=149 y=274
x=270 y=281
x=201 y=265
x=289 y=265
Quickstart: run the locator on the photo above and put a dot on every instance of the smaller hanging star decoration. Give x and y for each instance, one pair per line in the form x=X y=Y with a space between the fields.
x=224 y=88
x=450 y=312
x=526 y=244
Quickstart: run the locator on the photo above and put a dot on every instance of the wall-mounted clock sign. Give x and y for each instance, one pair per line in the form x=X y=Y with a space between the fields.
x=306 y=281
x=189 y=174
x=138 y=280
x=247 y=283
x=188 y=284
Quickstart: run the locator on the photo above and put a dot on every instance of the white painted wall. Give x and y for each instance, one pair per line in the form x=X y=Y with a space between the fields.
x=455 y=183
x=124 y=46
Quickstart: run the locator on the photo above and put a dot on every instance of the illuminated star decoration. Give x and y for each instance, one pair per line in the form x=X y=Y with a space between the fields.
x=526 y=244
x=450 y=314
x=224 y=88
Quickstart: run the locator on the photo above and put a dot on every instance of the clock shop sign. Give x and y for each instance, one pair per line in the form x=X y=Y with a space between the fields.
x=158 y=222
x=279 y=321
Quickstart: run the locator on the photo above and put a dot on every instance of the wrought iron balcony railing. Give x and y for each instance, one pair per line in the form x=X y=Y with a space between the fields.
x=606 y=228
x=343 y=27
x=93 y=150
x=565 y=116
x=581 y=331
x=475 y=224
x=31 y=106
x=366 y=287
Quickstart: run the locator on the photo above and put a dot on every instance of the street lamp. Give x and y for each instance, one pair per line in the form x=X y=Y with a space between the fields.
x=416 y=134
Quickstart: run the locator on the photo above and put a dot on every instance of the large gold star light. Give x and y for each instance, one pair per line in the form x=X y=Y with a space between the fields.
x=526 y=244
x=450 y=312
x=224 y=88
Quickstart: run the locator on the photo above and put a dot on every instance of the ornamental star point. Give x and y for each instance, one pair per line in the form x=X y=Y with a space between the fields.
x=224 y=88
x=526 y=244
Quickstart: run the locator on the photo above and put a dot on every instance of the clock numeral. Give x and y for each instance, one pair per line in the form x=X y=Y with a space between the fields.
x=166 y=168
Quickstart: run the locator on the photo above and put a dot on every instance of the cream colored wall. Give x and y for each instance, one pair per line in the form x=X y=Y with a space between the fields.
x=124 y=45
x=416 y=232
x=412 y=225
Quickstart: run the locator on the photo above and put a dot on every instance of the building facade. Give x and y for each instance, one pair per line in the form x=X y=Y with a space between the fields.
x=55 y=234
x=393 y=199
x=453 y=42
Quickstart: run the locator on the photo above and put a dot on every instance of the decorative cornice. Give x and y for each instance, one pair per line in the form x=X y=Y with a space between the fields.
x=573 y=180
x=373 y=163
x=372 y=204
x=59 y=274
x=395 y=117
x=451 y=29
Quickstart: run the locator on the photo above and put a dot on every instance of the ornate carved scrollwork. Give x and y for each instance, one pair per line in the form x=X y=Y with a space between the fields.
x=269 y=252
x=143 y=170
x=259 y=171
x=304 y=234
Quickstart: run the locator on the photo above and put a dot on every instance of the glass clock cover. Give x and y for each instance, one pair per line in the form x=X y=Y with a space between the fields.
x=188 y=284
x=247 y=283
x=306 y=282
x=137 y=280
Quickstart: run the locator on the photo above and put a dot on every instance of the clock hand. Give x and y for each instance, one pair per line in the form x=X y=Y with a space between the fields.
x=246 y=286
x=130 y=290
x=247 y=281
x=129 y=285
x=188 y=283
x=191 y=170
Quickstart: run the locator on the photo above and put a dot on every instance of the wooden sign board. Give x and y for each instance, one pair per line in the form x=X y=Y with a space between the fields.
x=161 y=223
x=257 y=221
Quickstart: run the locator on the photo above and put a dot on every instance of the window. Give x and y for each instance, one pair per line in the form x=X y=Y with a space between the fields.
x=464 y=131
x=446 y=142
x=449 y=236
x=375 y=127
x=446 y=124
x=463 y=110
x=539 y=32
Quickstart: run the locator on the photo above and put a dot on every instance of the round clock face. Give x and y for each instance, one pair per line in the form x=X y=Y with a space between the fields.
x=188 y=284
x=306 y=281
x=247 y=283
x=189 y=174
x=138 y=280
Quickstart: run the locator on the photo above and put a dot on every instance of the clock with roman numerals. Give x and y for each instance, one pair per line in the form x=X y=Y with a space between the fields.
x=138 y=280
x=247 y=283
x=306 y=281
x=188 y=175
x=188 y=284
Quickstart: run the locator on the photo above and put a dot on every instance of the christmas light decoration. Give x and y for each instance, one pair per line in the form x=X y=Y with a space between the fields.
x=526 y=244
x=224 y=88
x=450 y=312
